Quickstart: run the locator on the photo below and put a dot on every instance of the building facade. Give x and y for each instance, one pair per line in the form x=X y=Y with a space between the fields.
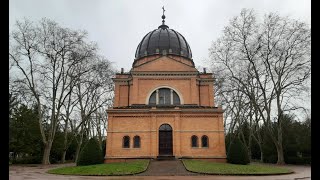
x=164 y=106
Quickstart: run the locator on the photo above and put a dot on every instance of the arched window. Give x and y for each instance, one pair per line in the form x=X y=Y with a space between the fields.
x=126 y=142
x=204 y=141
x=194 y=141
x=165 y=127
x=136 y=142
x=164 y=96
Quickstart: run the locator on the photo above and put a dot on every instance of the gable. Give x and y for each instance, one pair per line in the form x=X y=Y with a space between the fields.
x=164 y=64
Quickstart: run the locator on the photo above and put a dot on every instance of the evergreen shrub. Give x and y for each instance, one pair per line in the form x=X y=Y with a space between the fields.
x=237 y=153
x=90 y=154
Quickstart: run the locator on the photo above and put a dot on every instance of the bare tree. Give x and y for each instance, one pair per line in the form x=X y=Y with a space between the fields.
x=269 y=61
x=68 y=108
x=237 y=107
x=43 y=55
x=94 y=90
x=99 y=122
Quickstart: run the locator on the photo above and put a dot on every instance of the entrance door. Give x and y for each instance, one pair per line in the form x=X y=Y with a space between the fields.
x=165 y=140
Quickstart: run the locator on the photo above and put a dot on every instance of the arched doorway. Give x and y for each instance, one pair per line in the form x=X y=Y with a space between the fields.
x=165 y=140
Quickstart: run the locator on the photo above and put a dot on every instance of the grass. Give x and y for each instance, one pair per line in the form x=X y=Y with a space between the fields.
x=119 y=168
x=232 y=169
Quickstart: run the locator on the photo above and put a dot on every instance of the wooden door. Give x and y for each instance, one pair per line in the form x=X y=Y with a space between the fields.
x=165 y=140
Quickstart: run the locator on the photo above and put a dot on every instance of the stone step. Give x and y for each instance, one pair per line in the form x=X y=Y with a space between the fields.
x=160 y=158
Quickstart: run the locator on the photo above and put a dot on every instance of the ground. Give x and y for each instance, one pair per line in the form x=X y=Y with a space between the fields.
x=174 y=171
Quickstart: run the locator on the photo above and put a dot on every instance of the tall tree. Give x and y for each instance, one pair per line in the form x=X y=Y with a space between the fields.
x=94 y=90
x=269 y=62
x=43 y=54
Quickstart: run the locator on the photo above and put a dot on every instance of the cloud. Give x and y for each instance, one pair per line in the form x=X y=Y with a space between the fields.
x=119 y=26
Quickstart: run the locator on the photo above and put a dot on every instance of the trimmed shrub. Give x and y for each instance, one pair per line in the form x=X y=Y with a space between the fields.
x=28 y=160
x=271 y=158
x=90 y=154
x=298 y=160
x=237 y=153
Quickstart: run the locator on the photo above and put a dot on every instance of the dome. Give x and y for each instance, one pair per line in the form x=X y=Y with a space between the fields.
x=163 y=41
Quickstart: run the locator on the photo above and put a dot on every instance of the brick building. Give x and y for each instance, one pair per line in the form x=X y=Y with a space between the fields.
x=164 y=106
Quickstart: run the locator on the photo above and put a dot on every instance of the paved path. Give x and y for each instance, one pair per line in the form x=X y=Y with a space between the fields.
x=166 y=168
x=38 y=172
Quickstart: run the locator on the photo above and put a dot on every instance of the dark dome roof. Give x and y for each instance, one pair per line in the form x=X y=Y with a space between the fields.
x=163 y=41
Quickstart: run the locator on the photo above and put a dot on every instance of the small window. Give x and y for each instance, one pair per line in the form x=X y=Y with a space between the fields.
x=136 y=142
x=204 y=141
x=194 y=141
x=126 y=142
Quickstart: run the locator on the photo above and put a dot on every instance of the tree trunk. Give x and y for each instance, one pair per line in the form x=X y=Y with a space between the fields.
x=249 y=149
x=79 y=144
x=78 y=149
x=65 y=143
x=46 y=153
x=47 y=145
x=279 y=142
x=260 y=147
x=99 y=133
x=280 y=149
x=63 y=157
x=280 y=155
x=258 y=139
x=77 y=152
x=261 y=153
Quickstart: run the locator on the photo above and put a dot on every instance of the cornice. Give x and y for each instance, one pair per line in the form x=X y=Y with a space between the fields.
x=164 y=73
x=195 y=112
x=181 y=131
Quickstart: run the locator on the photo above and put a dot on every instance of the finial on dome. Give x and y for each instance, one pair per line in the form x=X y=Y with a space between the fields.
x=163 y=16
x=163 y=26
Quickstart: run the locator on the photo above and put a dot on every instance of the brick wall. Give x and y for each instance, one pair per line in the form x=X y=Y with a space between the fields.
x=179 y=74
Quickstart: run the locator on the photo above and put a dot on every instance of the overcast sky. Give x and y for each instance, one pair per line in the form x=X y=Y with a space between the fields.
x=119 y=25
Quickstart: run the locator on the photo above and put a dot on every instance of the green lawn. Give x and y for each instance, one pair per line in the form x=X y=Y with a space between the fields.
x=232 y=169
x=120 y=168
